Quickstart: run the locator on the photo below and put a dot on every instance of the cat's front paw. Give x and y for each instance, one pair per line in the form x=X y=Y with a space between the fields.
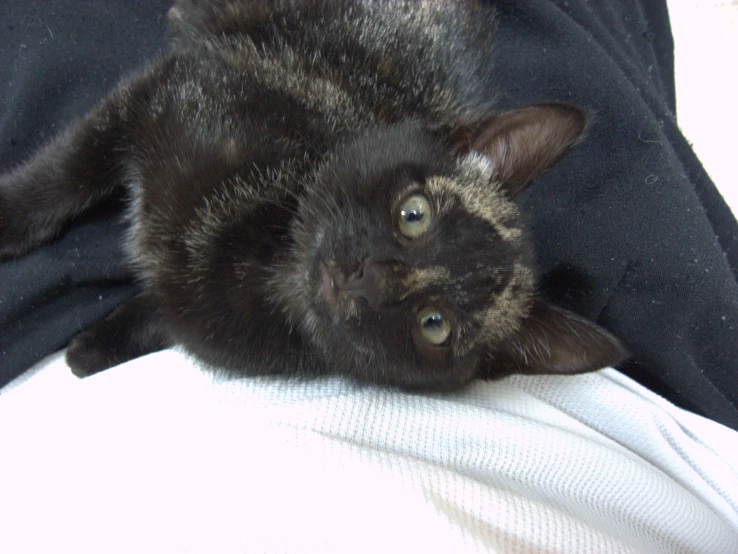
x=89 y=353
x=133 y=329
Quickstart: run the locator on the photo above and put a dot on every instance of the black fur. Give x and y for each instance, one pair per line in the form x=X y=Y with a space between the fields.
x=267 y=156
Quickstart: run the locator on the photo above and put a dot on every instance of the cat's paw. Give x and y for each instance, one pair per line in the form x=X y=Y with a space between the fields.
x=133 y=329
x=89 y=353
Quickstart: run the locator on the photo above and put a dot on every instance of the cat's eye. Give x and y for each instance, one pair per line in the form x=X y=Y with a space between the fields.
x=434 y=328
x=415 y=216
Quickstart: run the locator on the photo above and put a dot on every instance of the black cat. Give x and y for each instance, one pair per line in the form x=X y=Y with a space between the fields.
x=318 y=187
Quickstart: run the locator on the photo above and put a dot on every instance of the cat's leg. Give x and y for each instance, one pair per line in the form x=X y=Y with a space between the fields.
x=72 y=173
x=131 y=330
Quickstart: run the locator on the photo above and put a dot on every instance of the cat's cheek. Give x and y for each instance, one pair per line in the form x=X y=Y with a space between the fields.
x=446 y=371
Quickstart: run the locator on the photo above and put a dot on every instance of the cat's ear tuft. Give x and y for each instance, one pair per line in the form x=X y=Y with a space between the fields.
x=524 y=143
x=553 y=340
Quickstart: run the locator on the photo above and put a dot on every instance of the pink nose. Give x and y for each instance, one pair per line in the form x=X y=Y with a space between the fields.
x=366 y=282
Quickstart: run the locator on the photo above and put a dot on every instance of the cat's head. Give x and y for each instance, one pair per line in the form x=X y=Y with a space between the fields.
x=411 y=265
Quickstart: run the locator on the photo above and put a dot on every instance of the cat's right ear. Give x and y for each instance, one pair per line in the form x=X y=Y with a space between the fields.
x=524 y=143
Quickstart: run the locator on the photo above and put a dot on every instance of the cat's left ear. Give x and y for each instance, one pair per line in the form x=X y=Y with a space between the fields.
x=554 y=340
x=524 y=143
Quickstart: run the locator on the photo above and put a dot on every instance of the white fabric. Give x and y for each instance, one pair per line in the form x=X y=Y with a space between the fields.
x=159 y=456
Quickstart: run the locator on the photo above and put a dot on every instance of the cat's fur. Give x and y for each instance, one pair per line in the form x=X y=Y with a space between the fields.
x=267 y=156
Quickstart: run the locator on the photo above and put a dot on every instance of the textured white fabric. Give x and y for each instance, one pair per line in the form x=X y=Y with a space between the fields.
x=159 y=456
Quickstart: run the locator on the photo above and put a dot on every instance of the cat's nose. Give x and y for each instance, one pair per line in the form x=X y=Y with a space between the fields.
x=367 y=282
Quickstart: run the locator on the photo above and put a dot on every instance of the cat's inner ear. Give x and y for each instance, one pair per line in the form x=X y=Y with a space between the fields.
x=553 y=340
x=524 y=143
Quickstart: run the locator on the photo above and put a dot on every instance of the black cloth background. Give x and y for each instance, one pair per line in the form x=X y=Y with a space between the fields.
x=630 y=231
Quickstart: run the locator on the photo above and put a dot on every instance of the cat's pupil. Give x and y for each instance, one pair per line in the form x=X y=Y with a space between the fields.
x=413 y=216
x=433 y=322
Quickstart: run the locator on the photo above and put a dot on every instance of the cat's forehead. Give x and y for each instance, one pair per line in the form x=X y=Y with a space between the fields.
x=472 y=187
x=482 y=264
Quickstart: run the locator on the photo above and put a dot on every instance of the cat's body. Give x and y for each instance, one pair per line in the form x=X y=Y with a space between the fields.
x=318 y=187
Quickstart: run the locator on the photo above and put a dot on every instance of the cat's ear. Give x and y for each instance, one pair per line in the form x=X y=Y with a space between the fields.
x=553 y=340
x=524 y=143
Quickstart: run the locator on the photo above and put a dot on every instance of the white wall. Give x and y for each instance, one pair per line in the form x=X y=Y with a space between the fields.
x=706 y=60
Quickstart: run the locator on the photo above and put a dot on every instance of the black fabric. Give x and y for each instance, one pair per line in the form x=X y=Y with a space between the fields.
x=57 y=58
x=630 y=230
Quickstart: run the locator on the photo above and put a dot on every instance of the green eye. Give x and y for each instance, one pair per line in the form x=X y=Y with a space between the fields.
x=415 y=216
x=434 y=328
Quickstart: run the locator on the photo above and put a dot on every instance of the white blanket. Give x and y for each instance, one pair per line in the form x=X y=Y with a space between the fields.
x=159 y=456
